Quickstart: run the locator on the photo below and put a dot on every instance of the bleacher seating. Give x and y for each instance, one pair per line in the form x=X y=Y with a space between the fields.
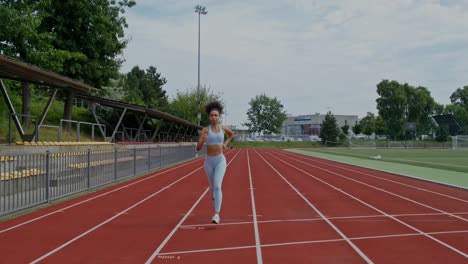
x=7 y=158
x=20 y=174
x=62 y=143
x=102 y=162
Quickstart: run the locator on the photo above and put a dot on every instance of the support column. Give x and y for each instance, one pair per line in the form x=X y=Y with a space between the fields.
x=118 y=124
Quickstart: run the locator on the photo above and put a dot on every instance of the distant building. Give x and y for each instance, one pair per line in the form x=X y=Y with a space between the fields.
x=241 y=133
x=310 y=124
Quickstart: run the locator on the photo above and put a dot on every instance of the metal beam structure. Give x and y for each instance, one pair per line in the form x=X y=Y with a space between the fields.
x=152 y=113
x=118 y=124
x=168 y=132
x=185 y=132
x=93 y=110
x=157 y=130
x=140 y=127
x=147 y=112
x=16 y=70
x=13 y=69
x=44 y=113
x=177 y=134
x=13 y=115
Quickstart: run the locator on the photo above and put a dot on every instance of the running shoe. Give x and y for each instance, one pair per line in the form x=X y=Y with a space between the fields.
x=215 y=219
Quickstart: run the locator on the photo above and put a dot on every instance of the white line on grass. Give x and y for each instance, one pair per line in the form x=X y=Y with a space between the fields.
x=390 y=159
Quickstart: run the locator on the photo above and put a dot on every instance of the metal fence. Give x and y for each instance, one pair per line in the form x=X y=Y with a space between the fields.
x=28 y=180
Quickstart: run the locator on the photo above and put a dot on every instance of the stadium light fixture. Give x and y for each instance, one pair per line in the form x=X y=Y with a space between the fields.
x=201 y=10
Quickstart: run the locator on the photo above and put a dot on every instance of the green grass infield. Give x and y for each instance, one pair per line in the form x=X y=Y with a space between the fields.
x=443 y=166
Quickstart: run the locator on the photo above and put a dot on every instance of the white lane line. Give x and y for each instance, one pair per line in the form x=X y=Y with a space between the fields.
x=169 y=236
x=377 y=177
x=254 y=213
x=310 y=242
x=376 y=209
x=320 y=213
x=379 y=189
x=61 y=210
x=110 y=219
x=309 y=158
x=206 y=250
x=356 y=217
x=388 y=158
x=156 y=252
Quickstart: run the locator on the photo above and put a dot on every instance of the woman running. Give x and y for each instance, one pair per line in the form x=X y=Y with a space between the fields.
x=215 y=162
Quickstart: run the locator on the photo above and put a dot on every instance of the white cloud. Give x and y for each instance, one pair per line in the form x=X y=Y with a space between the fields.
x=312 y=55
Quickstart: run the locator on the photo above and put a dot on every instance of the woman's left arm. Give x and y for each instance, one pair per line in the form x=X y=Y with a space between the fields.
x=230 y=135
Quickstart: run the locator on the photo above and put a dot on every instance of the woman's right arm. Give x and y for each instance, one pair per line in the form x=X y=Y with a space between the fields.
x=202 y=139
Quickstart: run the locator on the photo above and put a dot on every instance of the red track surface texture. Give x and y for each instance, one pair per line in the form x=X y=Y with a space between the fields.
x=278 y=207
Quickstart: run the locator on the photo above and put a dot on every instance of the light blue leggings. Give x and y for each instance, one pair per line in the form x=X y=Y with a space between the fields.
x=215 y=167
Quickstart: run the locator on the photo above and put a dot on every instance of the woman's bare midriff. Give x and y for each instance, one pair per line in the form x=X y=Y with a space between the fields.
x=213 y=150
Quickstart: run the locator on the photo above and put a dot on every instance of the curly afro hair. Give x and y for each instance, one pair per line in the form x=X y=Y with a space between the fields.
x=215 y=105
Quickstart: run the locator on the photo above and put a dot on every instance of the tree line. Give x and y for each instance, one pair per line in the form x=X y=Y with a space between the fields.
x=398 y=105
x=84 y=40
x=401 y=104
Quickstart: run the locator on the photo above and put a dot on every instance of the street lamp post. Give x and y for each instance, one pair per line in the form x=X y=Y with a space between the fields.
x=201 y=11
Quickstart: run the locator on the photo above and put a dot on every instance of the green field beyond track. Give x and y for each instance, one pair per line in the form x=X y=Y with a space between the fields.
x=449 y=166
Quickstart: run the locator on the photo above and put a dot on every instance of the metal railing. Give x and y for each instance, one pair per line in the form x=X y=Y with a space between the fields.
x=28 y=180
x=78 y=128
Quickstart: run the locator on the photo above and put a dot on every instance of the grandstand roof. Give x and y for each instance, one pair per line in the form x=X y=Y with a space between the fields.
x=154 y=113
x=16 y=70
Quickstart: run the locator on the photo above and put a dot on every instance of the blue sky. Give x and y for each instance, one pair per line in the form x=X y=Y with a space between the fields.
x=314 y=56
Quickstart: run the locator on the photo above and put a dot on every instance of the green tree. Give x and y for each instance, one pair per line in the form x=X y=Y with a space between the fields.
x=391 y=104
x=442 y=134
x=329 y=130
x=23 y=37
x=265 y=115
x=357 y=128
x=94 y=29
x=402 y=103
x=460 y=97
x=461 y=115
x=368 y=124
x=345 y=128
x=145 y=88
x=154 y=94
x=459 y=108
x=439 y=109
x=380 y=126
x=344 y=132
x=184 y=104
x=420 y=106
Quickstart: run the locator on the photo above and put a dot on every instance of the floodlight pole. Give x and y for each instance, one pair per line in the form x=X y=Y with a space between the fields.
x=201 y=11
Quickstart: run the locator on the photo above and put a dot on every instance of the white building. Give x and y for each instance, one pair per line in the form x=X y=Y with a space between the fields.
x=303 y=125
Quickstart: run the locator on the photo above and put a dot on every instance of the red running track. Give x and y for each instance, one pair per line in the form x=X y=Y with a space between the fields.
x=278 y=207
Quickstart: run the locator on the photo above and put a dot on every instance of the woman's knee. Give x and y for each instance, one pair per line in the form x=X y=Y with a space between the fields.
x=217 y=187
